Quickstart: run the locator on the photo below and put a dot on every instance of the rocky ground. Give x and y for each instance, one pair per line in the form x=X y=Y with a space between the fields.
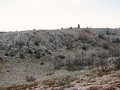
x=75 y=81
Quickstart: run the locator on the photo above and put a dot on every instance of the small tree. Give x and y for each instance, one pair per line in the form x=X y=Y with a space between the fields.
x=103 y=62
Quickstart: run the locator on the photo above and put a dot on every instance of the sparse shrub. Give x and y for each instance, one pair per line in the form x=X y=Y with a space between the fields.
x=69 y=64
x=1 y=58
x=20 y=44
x=42 y=63
x=61 y=56
x=49 y=73
x=103 y=62
x=85 y=47
x=6 y=54
x=101 y=72
x=76 y=63
x=82 y=38
x=29 y=51
x=11 y=54
x=101 y=36
x=69 y=44
x=30 y=78
x=36 y=43
x=64 y=80
x=105 y=46
x=98 y=72
x=87 y=30
x=117 y=63
x=21 y=56
x=70 y=28
x=108 y=32
x=39 y=54
x=70 y=67
x=57 y=64
x=103 y=65
x=116 y=40
x=48 y=52
x=118 y=75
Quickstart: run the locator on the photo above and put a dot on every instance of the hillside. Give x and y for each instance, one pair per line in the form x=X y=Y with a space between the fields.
x=36 y=55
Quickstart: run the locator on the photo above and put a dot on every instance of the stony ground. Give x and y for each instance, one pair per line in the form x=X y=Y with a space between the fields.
x=75 y=81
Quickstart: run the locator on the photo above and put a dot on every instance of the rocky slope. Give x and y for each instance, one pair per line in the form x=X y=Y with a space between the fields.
x=38 y=54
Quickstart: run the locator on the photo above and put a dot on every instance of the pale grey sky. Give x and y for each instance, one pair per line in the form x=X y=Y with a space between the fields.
x=48 y=14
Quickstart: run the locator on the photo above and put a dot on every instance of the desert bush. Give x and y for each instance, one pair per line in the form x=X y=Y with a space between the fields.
x=29 y=51
x=57 y=63
x=69 y=64
x=36 y=43
x=117 y=63
x=69 y=44
x=82 y=38
x=30 y=78
x=20 y=44
x=6 y=54
x=21 y=56
x=102 y=61
x=105 y=46
x=61 y=56
x=2 y=60
x=39 y=54
x=116 y=40
x=61 y=27
x=2 y=46
x=70 y=28
x=42 y=63
x=85 y=47
x=101 y=36
x=103 y=65
x=101 y=72
x=79 y=62
x=87 y=30
x=11 y=53
x=108 y=32
x=98 y=72
x=64 y=80
x=49 y=73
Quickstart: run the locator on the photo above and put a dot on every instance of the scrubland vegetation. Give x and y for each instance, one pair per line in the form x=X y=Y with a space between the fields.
x=65 y=59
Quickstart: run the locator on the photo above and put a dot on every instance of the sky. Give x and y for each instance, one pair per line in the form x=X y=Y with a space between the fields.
x=16 y=15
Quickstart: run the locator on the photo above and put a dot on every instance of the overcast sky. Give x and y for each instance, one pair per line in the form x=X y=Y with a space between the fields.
x=47 y=14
